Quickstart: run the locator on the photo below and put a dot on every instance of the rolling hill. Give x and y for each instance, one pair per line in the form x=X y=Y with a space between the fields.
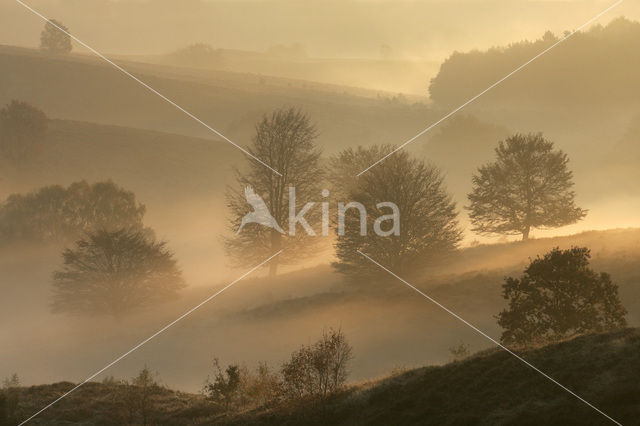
x=84 y=88
x=492 y=386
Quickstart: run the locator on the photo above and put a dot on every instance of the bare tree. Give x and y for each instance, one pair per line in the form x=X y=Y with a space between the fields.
x=115 y=272
x=318 y=370
x=528 y=186
x=23 y=130
x=53 y=40
x=286 y=141
x=138 y=397
x=426 y=218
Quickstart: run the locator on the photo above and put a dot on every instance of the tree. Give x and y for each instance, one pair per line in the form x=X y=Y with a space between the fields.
x=558 y=297
x=23 y=130
x=138 y=397
x=426 y=226
x=54 y=38
x=286 y=141
x=459 y=352
x=58 y=214
x=318 y=370
x=226 y=386
x=9 y=400
x=115 y=272
x=528 y=186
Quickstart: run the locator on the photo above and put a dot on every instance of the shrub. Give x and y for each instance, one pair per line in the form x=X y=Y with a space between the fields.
x=559 y=297
x=317 y=370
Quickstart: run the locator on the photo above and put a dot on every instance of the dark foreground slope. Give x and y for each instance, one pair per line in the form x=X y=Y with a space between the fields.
x=489 y=388
x=493 y=388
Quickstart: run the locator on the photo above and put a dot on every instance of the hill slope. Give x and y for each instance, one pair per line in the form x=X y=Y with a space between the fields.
x=489 y=388
x=493 y=388
x=81 y=87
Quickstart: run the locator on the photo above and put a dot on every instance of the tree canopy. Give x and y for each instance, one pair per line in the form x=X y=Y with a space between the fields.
x=558 y=297
x=115 y=272
x=23 y=130
x=53 y=40
x=426 y=220
x=58 y=214
x=286 y=141
x=573 y=77
x=528 y=186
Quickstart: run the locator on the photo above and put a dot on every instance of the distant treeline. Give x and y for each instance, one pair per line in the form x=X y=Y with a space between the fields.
x=599 y=64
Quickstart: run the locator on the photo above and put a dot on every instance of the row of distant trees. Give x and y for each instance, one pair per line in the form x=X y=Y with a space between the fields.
x=528 y=185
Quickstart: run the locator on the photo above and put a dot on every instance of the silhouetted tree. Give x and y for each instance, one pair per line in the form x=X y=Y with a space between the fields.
x=9 y=400
x=559 y=297
x=59 y=214
x=459 y=352
x=528 y=186
x=23 y=130
x=138 y=397
x=426 y=226
x=53 y=40
x=224 y=389
x=317 y=370
x=286 y=141
x=115 y=272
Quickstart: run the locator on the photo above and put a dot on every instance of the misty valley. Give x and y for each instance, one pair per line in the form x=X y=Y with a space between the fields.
x=231 y=213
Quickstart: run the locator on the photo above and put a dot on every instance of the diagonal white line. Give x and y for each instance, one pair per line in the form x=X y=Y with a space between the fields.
x=163 y=329
x=458 y=317
x=145 y=85
x=493 y=85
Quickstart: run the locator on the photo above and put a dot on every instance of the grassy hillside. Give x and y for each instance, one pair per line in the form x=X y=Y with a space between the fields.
x=85 y=88
x=157 y=166
x=488 y=388
x=388 y=325
x=385 y=75
x=493 y=388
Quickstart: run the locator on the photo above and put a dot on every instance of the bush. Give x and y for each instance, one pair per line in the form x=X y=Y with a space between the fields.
x=224 y=390
x=318 y=370
x=559 y=297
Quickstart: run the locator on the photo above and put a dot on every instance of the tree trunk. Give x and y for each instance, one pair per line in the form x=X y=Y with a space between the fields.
x=525 y=233
x=276 y=244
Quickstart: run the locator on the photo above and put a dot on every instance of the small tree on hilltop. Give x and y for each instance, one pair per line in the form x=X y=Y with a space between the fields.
x=318 y=370
x=138 y=397
x=53 y=40
x=115 y=272
x=23 y=130
x=224 y=390
x=528 y=186
x=559 y=297
x=422 y=229
x=286 y=141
